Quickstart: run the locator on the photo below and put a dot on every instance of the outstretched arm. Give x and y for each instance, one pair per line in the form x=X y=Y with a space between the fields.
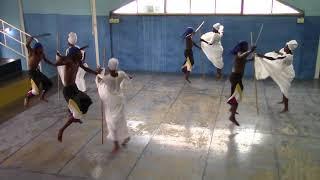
x=90 y=70
x=62 y=60
x=196 y=45
x=270 y=58
x=47 y=61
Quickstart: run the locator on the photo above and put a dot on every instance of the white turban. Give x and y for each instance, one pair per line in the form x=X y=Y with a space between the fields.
x=292 y=45
x=216 y=26
x=113 y=64
x=72 y=39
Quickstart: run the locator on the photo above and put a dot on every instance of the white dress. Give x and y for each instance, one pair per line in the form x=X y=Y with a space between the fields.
x=281 y=71
x=213 y=52
x=110 y=92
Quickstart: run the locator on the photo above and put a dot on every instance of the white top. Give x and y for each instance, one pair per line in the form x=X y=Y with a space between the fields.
x=114 y=83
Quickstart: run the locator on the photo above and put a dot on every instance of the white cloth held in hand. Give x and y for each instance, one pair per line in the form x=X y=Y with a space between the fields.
x=213 y=52
x=281 y=70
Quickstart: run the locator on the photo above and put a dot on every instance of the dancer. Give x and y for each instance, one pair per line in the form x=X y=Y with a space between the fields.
x=241 y=52
x=278 y=65
x=78 y=102
x=188 y=54
x=109 y=88
x=37 y=78
x=212 y=47
x=80 y=81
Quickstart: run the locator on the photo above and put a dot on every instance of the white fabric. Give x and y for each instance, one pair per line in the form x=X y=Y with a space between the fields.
x=292 y=45
x=113 y=64
x=80 y=81
x=72 y=38
x=281 y=71
x=75 y=113
x=110 y=92
x=213 y=52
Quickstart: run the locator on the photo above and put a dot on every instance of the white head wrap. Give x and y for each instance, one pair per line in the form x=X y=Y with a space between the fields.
x=72 y=39
x=292 y=45
x=113 y=64
x=216 y=26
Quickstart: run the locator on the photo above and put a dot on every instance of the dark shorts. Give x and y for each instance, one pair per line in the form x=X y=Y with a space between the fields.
x=236 y=78
x=80 y=98
x=188 y=54
x=40 y=79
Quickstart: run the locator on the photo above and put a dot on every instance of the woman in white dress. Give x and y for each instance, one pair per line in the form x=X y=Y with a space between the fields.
x=109 y=86
x=212 y=47
x=278 y=65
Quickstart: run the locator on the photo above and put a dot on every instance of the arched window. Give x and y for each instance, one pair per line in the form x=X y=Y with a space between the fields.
x=237 y=7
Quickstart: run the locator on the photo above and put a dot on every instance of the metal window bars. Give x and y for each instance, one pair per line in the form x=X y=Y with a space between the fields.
x=7 y=36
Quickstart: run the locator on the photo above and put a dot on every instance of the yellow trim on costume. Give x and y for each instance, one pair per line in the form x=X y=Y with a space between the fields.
x=239 y=90
x=75 y=106
x=188 y=64
x=34 y=87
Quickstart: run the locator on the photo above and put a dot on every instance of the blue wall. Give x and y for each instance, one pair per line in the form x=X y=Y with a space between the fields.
x=63 y=24
x=153 y=43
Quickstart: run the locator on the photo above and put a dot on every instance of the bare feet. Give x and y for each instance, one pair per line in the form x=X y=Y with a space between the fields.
x=116 y=148
x=42 y=98
x=233 y=120
x=125 y=142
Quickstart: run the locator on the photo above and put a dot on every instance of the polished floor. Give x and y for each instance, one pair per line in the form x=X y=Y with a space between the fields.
x=179 y=131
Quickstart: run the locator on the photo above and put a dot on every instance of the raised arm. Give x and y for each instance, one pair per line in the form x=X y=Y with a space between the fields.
x=28 y=44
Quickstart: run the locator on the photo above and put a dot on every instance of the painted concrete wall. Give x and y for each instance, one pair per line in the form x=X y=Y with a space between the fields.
x=154 y=42
x=63 y=24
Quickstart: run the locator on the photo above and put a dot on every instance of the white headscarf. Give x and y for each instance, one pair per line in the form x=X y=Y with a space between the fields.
x=216 y=26
x=113 y=64
x=72 y=39
x=292 y=45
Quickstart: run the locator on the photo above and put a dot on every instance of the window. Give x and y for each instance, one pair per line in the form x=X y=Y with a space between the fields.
x=130 y=8
x=150 y=6
x=228 y=6
x=279 y=8
x=263 y=7
x=257 y=7
x=178 y=6
x=202 y=6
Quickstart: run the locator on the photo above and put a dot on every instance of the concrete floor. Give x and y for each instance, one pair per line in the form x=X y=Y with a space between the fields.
x=179 y=132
